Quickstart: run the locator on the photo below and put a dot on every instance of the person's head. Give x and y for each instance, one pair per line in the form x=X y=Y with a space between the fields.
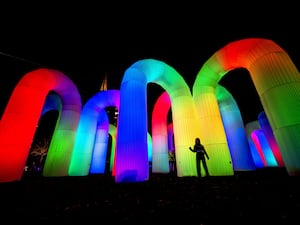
x=197 y=140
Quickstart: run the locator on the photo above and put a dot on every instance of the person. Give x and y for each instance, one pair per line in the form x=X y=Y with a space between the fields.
x=200 y=156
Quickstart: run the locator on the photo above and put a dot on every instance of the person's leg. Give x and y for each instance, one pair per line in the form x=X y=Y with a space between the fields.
x=198 y=167
x=205 y=167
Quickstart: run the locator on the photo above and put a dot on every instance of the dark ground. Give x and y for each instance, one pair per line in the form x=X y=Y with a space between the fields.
x=267 y=195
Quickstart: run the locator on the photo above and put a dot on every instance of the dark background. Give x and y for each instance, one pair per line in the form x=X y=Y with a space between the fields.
x=87 y=41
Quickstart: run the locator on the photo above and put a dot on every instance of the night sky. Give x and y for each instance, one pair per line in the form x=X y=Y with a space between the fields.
x=87 y=42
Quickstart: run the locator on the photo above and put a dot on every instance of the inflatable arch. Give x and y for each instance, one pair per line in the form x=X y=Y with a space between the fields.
x=277 y=82
x=250 y=127
x=21 y=116
x=266 y=128
x=90 y=149
x=132 y=152
x=236 y=135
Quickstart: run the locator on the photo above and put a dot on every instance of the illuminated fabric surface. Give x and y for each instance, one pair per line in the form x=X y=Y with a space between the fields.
x=265 y=152
x=160 y=162
x=89 y=154
x=250 y=127
x=235 y=132
x=21 y=117
x=277 y=82
x=131 y=154
x=53 y=102
x=266 y=128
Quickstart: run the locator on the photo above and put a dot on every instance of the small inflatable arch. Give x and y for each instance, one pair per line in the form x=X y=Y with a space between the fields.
x=277 y=82
x=21 y=116
x=235 y=132
x=250 y=127
x=131 y=154
x=266 y=128
x=160 y=162
x=99 y=160
x=261 y=143
x=90 y=149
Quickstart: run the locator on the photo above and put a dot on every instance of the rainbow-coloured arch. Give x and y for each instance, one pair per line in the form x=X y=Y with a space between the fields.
x=89 y=153
x=131 y=155
x=21 y=116
x=276 y=80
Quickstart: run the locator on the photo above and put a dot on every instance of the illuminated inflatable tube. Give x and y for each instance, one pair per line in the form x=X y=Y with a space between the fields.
x=92 y=134
x=113 y=150
x=100 y=144
x=266 y=128
x=113 y=133
x=21 y=117
x=150 y=148
x=277 y=82
x=160 y=163
x=235 y=132
x=257 y=159
x=263 y=146
x=250 y=127
x=132 y=152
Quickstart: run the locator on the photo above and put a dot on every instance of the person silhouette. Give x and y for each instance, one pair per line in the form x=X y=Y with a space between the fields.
x=200 y=156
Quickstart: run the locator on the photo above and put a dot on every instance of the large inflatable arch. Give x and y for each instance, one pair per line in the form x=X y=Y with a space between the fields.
x=90 y=149
x=277 y=82
x=21 y=117
x=132 y=152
